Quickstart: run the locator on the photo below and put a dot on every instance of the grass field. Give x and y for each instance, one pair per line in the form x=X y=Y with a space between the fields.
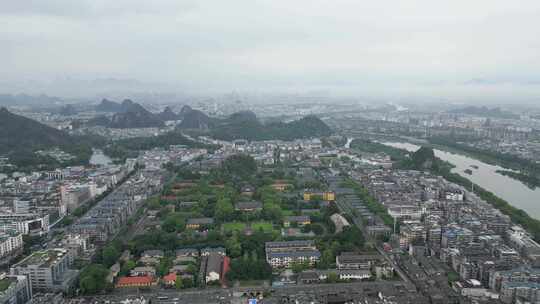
x=4 y=284
x=253 y=283
x=234 y=226
x=288 y=212
x=265 y=226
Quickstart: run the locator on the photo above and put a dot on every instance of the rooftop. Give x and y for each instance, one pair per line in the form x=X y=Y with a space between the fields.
x=43 y=259
x=5 y=283
x=135 y=280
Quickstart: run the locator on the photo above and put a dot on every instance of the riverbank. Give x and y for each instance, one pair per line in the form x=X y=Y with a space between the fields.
x=528 y=170
x=517 y=215
x=531 y=181
x=519 y=169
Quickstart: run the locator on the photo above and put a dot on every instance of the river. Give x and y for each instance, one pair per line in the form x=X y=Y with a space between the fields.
x=513 y=191
x=99 y=159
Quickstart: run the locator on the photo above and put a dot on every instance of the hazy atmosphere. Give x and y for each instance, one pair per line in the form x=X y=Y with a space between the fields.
x=269 y=152
x=485 y=50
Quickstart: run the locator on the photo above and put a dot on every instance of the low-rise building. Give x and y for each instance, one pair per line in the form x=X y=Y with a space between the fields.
x=310 y=195
x=214 y=266
x=339 y=221
x=352 y=261
x=247 y=190
x=208 y=250
x=143 y=281
x=141 y=271
x=301 y=220
x=249 y=206
x=316 y=276
x=159 y=254
x=281 y=185
x=198 y=223
x=187 y=252
x=169 y=279
x=284 y=254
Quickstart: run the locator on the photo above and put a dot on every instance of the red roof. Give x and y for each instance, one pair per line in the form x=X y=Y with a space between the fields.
x=225 y=268
x=171 y=277
x=135 y=280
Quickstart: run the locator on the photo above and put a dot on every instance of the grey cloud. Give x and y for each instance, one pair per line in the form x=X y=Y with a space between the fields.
x=354 y=46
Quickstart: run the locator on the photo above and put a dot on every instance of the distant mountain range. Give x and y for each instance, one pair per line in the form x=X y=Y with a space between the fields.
x=485 y=112
x=245 y=125
x=109 y=106
x=195 y=119
x=129 y=114
x=23 y=99
x=168 y=114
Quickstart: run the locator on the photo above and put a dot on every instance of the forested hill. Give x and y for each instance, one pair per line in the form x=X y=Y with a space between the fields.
x=245 y=125
x=21 y=137
x=127 y=115
x=20 y=133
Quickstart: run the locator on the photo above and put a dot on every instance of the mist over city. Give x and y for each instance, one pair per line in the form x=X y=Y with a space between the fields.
x=269 y=152
x=484 y=51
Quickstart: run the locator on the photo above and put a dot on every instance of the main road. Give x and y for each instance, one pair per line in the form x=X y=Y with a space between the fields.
x=346 y=208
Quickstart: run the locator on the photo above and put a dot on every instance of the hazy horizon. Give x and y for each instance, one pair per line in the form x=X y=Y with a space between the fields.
x=484 y=51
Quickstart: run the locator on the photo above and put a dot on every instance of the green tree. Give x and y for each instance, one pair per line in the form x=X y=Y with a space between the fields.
x=164 y=266
x=327 y=258
x=240 y=165
x=315 y=228
x=269 y=195
x=88 y=285
x=192 y=269
x=127 y=267
x=233 y=246
x=298 y=267
x=179 y=283
x=174 y=222
x=93 y=279
x=224 y=209
x=110 y=254
x=332 y=277
x=188 y=283
x=153 y=203
x=273 y=212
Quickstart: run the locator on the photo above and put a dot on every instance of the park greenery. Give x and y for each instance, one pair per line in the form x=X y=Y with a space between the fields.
x=249 y=128
x=369 y=146
x=93 y=279
x=129 y=148
x=242 y=233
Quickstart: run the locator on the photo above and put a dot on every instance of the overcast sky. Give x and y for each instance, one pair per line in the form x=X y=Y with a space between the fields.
x=464 y=48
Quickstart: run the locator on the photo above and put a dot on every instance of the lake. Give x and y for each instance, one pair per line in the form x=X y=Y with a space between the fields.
x=513 y=191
